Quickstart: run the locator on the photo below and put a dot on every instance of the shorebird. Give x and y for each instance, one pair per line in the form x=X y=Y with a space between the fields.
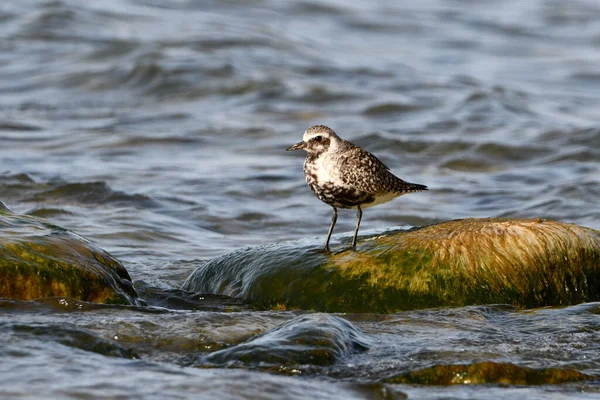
x=343 y=175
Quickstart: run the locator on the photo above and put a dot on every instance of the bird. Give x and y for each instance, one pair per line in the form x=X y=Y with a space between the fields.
x=346 y=176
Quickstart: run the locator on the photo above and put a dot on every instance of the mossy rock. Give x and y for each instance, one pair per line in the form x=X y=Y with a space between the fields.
x=526 y=263
x=489 y=372
x=38 y=260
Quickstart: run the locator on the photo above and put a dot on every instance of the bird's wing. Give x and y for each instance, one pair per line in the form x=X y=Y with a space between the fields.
x=362 y=170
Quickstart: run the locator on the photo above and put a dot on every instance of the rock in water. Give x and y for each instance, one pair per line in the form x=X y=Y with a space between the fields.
x=487 y=372
x=38 y=259
x=313 y=339
x=526 y=263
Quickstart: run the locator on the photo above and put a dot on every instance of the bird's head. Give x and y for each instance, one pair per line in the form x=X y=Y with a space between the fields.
x=316 y=140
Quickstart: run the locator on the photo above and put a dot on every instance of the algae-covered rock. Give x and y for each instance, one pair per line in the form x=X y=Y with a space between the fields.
x=38 y=259
x=314 y=339
x=489 y=372
x=526 y=263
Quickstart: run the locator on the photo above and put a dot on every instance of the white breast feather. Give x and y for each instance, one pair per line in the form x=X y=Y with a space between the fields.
x=325 y=170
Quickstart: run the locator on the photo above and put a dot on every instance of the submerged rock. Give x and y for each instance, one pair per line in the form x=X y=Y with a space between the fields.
x=489 y=372
x=314 y=339
x=526 y=263
x=38 y=260
x=71 y=336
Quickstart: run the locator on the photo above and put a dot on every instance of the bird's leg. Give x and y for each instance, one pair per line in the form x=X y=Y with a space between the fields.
x=358 y=218
x=333 y=221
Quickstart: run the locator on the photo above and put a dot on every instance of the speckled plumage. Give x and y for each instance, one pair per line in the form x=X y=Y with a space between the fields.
x=343 y=175
x=358 y=178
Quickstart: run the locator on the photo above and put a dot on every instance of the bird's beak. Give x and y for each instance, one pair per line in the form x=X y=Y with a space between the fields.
x=297 y=146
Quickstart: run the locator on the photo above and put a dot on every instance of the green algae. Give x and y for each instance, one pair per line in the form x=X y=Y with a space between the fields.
x=38 y=260
x=526 y=263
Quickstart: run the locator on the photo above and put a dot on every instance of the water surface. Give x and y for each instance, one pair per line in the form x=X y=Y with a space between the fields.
x=158 y=128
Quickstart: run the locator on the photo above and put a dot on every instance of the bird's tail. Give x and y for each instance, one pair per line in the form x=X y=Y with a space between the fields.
x=407 y=187
x=416 y=187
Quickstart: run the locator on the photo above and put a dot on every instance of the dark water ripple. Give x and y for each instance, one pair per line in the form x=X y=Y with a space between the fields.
x=158 y=129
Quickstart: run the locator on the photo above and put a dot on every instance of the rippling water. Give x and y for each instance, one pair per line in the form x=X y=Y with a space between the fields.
x=158 y=129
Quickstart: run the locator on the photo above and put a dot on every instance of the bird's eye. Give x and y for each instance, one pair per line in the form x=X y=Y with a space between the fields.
x=318 y=138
